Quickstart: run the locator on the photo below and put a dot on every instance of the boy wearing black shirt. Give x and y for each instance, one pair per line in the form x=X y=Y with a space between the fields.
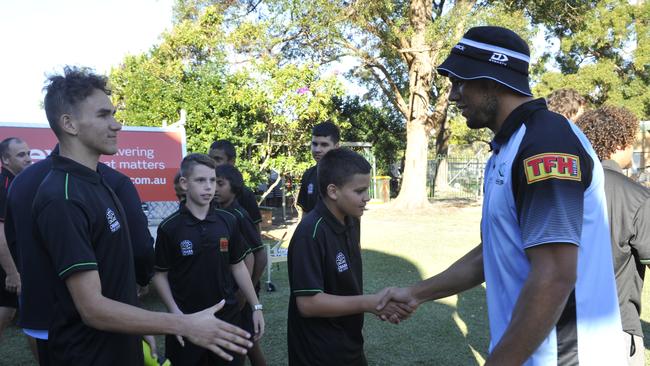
x=229 y=185
x=199 y=260
x=81 y=224
x=325 y=136
x=327 y=304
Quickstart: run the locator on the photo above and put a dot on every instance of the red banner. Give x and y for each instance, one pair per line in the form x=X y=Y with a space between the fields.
x=150 y=156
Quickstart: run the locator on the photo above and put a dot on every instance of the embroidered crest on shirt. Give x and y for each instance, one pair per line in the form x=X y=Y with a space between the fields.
x=113 y=224
x=552 y=166
x=310 y=188
x=187 y=248
x=223 y=244
x=341 y=263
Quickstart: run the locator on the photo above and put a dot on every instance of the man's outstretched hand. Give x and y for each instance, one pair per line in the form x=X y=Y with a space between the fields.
x=209 y=332
x=395 y=302
x=394 y=307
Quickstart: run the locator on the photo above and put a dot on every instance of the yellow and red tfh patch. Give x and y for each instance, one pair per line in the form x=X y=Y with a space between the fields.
x=552 y=165
x=223 y=244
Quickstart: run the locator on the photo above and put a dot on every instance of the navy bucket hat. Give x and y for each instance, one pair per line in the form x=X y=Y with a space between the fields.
x=490 y=53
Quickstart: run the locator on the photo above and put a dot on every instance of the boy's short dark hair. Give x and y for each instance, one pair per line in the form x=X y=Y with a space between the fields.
x=338 y=166
x=327 y=129
x=566 y=102
x=226 y=146
x=64 y=92
x=609 y=128
x=192 y=160
x=232 y=175
x=4 y=145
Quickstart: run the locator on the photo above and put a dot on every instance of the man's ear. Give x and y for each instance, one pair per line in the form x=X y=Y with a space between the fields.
x=336 y=145
x=332 y=192
x=68 y=124
x=182 y=181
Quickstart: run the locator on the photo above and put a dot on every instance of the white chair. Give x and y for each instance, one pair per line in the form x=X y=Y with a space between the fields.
x=274 y=254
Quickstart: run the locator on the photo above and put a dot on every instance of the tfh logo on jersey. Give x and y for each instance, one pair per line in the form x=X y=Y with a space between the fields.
x=552 y=165
x=187 y=248
x=499 y=58
x=113 y=224
x=341 y=263
x=223 y=244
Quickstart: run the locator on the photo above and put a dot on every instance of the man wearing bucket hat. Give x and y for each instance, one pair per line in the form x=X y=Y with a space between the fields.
x=545 y=254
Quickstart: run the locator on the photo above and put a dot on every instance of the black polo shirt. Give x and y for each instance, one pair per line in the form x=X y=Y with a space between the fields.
x=82 y=225
x=7 y=299
x=325 y=256
x=34 y=265
x=197 y=254
x=628 y=209
x=248 y=201
x=249 y=233
x=309 y=194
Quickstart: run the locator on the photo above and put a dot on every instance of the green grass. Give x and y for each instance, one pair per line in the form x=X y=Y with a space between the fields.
x=399 y=248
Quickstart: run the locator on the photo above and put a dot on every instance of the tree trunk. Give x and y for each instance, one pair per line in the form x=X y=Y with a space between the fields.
x=413 y=193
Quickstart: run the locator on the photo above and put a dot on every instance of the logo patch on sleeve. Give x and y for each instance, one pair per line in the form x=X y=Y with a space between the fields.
x=552 y=165
x=223 y=244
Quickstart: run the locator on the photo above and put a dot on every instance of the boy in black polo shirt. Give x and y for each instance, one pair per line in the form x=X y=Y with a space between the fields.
x=199 y=258
x=81 y=224
x=325 y=136
x=327 y=304
x=229 y=185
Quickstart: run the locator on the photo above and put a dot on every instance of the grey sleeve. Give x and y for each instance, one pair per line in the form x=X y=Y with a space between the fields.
x=641 y=239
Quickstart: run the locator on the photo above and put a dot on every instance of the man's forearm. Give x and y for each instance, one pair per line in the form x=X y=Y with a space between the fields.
x=161 y=283
x=538 y=309
x=243 y=280
x=540 y=304
x=464 y=274
x=259 y=265
x=6 y=260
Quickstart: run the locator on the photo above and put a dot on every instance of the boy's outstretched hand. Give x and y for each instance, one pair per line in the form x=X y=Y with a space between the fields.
x=392 y=310
x=207 y=331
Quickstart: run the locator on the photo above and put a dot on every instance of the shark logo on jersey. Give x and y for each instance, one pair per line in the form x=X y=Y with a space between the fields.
x=310 y=188
x=341 y=263
x=187 y=248
x=113 y=223
x=501 y=173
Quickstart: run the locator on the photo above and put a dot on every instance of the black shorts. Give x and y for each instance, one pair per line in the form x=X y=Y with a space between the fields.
x=193 y=355
x=7 y=299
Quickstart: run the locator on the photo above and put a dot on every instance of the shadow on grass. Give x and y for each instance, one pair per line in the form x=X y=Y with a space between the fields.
x=432 y=336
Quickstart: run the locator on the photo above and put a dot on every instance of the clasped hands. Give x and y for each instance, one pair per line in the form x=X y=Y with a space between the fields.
x=395 y=304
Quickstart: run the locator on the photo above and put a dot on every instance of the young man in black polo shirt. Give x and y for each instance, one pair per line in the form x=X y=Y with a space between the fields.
x=324 y=137
x=223 y=152
x=229 y=185
x=612 y=133
x=14 y=154
x=82 y=225
x=199 y=260
x=327 y=304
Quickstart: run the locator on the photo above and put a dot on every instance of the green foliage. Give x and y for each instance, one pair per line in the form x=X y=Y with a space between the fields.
x=265 y=108
x=380 y=126
x=604 y=56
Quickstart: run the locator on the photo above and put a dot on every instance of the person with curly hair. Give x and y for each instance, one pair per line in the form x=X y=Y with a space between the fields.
x=567 y=102
x=612 y=131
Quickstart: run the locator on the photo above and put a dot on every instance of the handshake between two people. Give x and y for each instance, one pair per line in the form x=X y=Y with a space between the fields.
x=395 y=304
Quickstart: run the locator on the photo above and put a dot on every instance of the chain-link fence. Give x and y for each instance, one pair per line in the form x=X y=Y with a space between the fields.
x=456 y=177
x=156 y=211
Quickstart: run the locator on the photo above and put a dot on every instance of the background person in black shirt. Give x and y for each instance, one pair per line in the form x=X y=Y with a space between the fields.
x=14 y=154
x=229 y=185
x=325 y=136
x=612 y=131
x=198 y=254
x=89 y=247
x=327 y=303
x=223 y=152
